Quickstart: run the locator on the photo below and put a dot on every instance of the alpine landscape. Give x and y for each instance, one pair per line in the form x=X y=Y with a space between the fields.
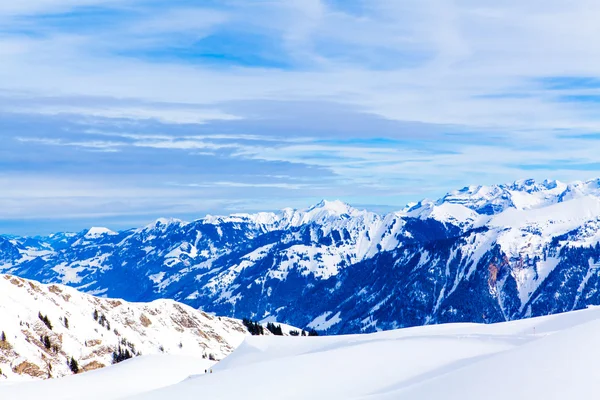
x=299 y=199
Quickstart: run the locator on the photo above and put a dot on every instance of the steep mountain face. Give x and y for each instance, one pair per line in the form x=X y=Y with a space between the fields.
x=481 y=254
x=43 y=327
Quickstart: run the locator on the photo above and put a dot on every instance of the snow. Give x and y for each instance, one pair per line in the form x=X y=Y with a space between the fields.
x=96 y=232
x=158 y=277
x=131 y=377
x=445 y=212
x=322 y=213
x=323 y=322
x=553 y=357
x=162 y=224
x=560 y=366
x=321 y=262
x=552 y=220
x=150 y=328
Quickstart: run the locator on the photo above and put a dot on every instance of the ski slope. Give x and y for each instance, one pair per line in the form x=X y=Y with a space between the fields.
x=553 y=357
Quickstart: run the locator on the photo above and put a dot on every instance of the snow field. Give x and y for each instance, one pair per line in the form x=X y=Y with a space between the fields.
x=547 y=357
x=553 y=357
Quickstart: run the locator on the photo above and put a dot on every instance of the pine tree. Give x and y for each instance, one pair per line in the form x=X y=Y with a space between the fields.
x=74 y=366
x=3 y=337
x=45 y=320
x=121 y=355
x=46 y=342
x=66 y=323
x=275 y=329
x=253 y=327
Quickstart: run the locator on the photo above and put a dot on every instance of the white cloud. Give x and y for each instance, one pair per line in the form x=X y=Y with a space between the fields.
x=473 y=64
x=92 y=144
x=177 y=115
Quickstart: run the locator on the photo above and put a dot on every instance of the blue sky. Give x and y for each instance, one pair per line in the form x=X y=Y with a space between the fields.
x=117 y=112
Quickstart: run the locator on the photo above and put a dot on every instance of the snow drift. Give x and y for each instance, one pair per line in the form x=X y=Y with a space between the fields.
x=552 y=357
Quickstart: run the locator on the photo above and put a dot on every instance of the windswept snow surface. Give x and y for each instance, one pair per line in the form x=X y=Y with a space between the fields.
x=552 y=357
x=128 y=378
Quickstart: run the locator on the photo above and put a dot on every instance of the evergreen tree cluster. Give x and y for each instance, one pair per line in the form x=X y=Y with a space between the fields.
x=127 y=343
x=257 y=329
x=253 y=327
x=275 y=329
x=45 y=339
x=121 y=354
x=101 y=319
x=45 y=320
x=312 y=332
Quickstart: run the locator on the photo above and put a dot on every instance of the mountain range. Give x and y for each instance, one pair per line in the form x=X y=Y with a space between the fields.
x=478 y=254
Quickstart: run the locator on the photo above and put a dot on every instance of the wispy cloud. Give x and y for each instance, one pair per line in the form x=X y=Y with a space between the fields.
x=93 y=144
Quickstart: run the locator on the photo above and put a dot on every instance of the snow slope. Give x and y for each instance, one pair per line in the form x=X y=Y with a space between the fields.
x=131 y=377
x=552 y=357
x=546 y=357
x=90 y=329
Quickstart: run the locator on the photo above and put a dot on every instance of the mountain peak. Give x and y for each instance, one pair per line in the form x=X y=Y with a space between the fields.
x=163 y=223
x=333 y=206
x=96 y=231
x=531 y=185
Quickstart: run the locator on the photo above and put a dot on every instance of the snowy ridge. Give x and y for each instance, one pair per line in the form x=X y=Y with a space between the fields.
x=522 y=195
x=90 y=329
x=96 y=232
x=321 y=213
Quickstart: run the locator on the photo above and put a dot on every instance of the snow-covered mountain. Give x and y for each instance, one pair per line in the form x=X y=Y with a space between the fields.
x=43 y=327
x=479 y=254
